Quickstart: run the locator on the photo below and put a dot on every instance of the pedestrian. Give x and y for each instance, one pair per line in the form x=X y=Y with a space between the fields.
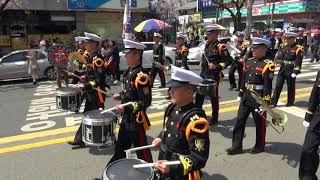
x=215 y=59
x=315 y=43
x=309 y=158
x=185 y=133
x=114 y=55
x=33 y=66
x=258 y=75
x=290 y=57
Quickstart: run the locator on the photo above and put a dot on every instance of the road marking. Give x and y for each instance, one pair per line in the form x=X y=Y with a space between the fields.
x=72 y=129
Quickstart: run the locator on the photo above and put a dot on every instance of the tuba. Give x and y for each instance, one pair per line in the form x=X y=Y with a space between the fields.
x=277 y=119
x=75 y=57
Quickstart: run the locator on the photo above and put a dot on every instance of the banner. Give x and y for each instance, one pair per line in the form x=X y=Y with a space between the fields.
x=126 y=29
x=5 y=40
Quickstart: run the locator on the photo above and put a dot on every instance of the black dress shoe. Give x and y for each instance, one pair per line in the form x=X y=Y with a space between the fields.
x=234 y=151
x=256 y=150
x=290 y=104
x=161 y=87
x=231 y=88
x=213 y=123
x=96 y=179
x=74 y=143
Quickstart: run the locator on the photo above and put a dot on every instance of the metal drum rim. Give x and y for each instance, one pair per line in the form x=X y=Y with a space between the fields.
x=105 y=174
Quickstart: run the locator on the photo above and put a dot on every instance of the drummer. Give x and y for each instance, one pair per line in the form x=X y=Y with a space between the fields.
x=94 y=79
x=136 y=89
x=185 y=135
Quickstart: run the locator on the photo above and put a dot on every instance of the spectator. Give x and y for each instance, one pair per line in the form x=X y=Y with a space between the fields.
x=33 y=66
x=42 y=44
x=115 y=61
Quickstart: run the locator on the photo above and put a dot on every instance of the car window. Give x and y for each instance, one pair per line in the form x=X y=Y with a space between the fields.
x=17 y=57
x=40 y=55
x=149 y=47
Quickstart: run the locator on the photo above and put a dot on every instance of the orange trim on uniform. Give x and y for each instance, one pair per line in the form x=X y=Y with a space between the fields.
x=101 y=100
x=192 y=127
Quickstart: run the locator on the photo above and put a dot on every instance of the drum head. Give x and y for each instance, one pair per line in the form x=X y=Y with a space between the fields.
x=66 y=91
x=94 y=117
x=123 y=170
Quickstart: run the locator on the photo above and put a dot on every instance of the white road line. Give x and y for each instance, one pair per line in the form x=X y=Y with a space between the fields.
x=293 y=110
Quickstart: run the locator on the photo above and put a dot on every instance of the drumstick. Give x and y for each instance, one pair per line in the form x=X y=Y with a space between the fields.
x=103 y=92
x=140 y=148
x=113 y=108
x=169 y=163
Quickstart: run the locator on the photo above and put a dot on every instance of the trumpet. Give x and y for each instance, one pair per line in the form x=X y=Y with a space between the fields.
x=160 y=66
x=277 y=119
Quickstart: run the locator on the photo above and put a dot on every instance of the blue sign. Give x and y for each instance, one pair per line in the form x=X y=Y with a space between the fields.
x=93 y=4
x=206 y=3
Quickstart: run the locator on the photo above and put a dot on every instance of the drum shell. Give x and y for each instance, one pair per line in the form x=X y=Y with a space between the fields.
x=125 y=171
x=68 y=98
x=207 y=88
x=98 y=128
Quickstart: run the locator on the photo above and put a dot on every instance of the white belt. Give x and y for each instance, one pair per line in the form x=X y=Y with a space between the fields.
x=288 y=62
x=254 y=86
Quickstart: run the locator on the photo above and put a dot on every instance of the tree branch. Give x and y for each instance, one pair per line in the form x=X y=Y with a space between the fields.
x=3 y=5
x=223 y=6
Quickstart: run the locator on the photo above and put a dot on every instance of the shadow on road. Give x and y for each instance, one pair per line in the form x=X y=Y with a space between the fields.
x=289 y=151
x=101 y=150
x=302 y=104
x=207 y=176
x=225 y=127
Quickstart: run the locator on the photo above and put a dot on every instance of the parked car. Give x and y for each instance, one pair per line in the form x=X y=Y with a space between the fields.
x=14 y=65
x=195 y=53
x=148 y=56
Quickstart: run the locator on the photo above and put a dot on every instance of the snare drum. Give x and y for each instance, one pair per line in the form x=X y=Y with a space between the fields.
x=68 y=98
x=123 y=170
x=207 y=88
x=97 y=128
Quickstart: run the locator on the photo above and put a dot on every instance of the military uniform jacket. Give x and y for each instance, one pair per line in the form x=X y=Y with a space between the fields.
x=314 y=101
x=158 y=53
x=182 y=57
x=185 y=137
x=290 y=58
x=136 y=89
x=95 y=74
x=216 y=53
x=258 y=74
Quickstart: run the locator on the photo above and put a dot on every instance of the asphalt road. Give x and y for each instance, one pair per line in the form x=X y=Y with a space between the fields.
x=34 y=133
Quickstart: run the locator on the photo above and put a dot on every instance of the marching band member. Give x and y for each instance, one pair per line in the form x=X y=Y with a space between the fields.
x=137 y=89
x=181 y=51
x=258 y=75
x=80 y=48
x=290 y=56
x=237 y=65
x=94 y=78
x=309 y=159
x=185 y=134
x=158 y=53
x=215 y=59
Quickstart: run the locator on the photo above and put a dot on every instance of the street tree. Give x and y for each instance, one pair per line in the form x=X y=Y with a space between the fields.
x=3 y=5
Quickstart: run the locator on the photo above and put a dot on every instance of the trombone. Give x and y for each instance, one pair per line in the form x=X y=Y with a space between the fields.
x=277 y=119
x=161 y=66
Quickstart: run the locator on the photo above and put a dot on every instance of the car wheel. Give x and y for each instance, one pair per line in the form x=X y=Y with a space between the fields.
x=168 y=60
x=50 y=73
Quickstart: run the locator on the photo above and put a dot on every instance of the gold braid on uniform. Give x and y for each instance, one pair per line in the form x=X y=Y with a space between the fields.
x=184 y=50
x=142 y=79
x=97 y=62
x=269 y=66
x=198 y=125
x=186 y=164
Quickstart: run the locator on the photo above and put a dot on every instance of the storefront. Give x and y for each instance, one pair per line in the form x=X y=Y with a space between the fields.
x=297 y=13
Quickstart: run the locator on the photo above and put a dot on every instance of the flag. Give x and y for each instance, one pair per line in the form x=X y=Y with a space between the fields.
x=126 y=30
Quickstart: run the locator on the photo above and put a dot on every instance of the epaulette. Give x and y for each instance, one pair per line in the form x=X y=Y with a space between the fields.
x=299 y=49
x=197 y=124
x=269 y=66
x=222 y=47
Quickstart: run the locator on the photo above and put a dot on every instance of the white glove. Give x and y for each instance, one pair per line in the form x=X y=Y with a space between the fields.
x=305 y=124
x=238 y=98
x=293 y=75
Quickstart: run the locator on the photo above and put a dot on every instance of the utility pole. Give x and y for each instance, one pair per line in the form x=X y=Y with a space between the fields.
x=249 y=16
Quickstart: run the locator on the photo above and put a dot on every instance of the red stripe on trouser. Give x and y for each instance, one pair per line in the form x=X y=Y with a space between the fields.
x=217 y=95
x=141 y=140
x=263 y=127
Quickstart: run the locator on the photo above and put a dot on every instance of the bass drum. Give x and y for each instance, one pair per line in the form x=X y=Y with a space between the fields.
x=123 y=170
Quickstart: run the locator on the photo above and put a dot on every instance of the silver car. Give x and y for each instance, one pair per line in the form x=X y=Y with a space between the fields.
x=14 y=65
x=148 y=56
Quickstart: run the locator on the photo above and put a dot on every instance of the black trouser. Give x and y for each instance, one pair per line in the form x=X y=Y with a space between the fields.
x=91 y=104
x=314 y=51
x=75 y=80
x=291 y=86
x=128 y=138
x=309 y=159
x=153 y=74
x=239 y=127
x=233 y=68
x=214 y=103
x=116 y=70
